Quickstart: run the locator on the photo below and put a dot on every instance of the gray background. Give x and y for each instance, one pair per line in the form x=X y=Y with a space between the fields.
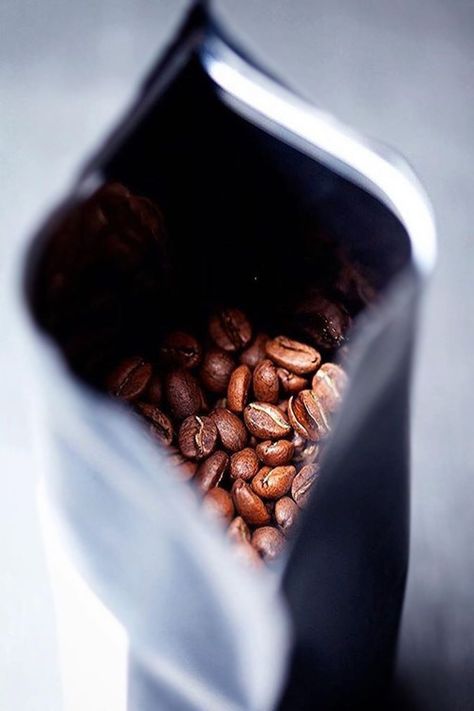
x=399 y=71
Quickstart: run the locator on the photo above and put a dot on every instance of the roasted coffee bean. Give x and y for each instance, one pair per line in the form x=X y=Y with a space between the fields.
x=306 y=452
x=265 y=382
x=211 y=471
x=160 y=425
x=290 y=382
x=328 y=385
x=268 y=541
x=219 y=505
x=238 y=531
x=249 y=505
x=302 y=484
x=307 y=416
x=244 y=464
x=183 y=393
x=286 y=514
x=293 y=355
x=266 y=421
x=273 y=483
x=322 y=321
x=154 y=390
x=197 y=437
x=238 y=388
x=255 y=352
x=216 y=369
x=230 y=329
x=232 y=432
x=130 y=378
x=181 y=350
x=275 y=454
x=186 y=467
x=283 y=406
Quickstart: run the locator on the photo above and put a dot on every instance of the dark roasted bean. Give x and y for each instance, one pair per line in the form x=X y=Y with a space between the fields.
x=244 y=464
x=211 y=471
x=160 y=425
x=230 y=329
x=197 y=437
x=255 y=352
x=181 y=350
x=265 y=382
x=130 y=378
x=216 y=369
x=232 y=432
x=266 y=421
x=293 y=355
x=183 y=394
x=238 y=388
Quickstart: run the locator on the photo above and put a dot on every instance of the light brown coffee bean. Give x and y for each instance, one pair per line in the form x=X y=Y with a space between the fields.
x=218 y=505
x=266 y=421
x=268 y=541
x=197 y=437
x=293 y=355
x=244 y=464
x=238 y=388
x=130 y=378
x=306 y=452
x=286 y=514
x=307 y=416
x=238 y=531
x=232 y=432
x=328 y=385
x=273 y=483
x=181 y=350
x=216 y=369
x=154 y=390
x=303 y=483
x=249 y=505
x=211 y=471
x=265 y=382
x=275 y=454
x=183 y=394
x=160 y=425
x=290 y=382
x=255 y=352
x=230 y=329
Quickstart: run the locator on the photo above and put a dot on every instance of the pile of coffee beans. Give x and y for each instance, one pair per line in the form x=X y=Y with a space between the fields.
x=243 y=415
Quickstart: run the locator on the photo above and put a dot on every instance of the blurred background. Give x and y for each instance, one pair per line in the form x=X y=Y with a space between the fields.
x=401 y=72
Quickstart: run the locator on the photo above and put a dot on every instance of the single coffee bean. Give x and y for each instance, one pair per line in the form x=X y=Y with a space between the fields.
x=230 y=329
x=232 y=432
x=197 y=437
x=265 y=382
x=211 y=471
x=293 y=355
x=181 y=350
x=186 y=467
x=307 y=415
x=286 y=514
x=218 y=504
x=238 y=388
x=244 y=464
x=302 y=484
x=160 y=425
x=183 y=394
x=322 y=321
x=273 y=483
x=306 y=452
x=238 y=531
x=249 y=505
x=130 y=378
x=275 y=454
x=266 y=421
x=216 y=369
x=268 y=541
x=255 y=352
x=290 y=382
x=154 y=390
x=328 y=385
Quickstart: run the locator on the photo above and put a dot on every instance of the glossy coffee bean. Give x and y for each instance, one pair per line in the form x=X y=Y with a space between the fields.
x=238 y=531
x=322 y=321
x=303 y=483
x=211 y=471
x=230 y=329
x=293 y=355
x=197 y=437
x=218 y=504
x=181 y=350
x=238 y=388
x=160 y=425
x=130 y=378
x=265 y=382
x=286 y=514
x=255 y=352
x=183 y=393
x=266 y=421
x=275 y=454
x=268 y=541
x=154 y=390
x=328 y=385
x=273 y=483
x=244 y=464
x=290 y=382
x=307 y=416
x=232 y=432
x=249 y=505
x=216 y=369
x=306 y=452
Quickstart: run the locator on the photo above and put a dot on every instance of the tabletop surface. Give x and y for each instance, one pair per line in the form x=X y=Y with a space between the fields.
x=401 y=72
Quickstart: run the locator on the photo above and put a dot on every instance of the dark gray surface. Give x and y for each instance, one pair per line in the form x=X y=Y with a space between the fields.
x=402 y=72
